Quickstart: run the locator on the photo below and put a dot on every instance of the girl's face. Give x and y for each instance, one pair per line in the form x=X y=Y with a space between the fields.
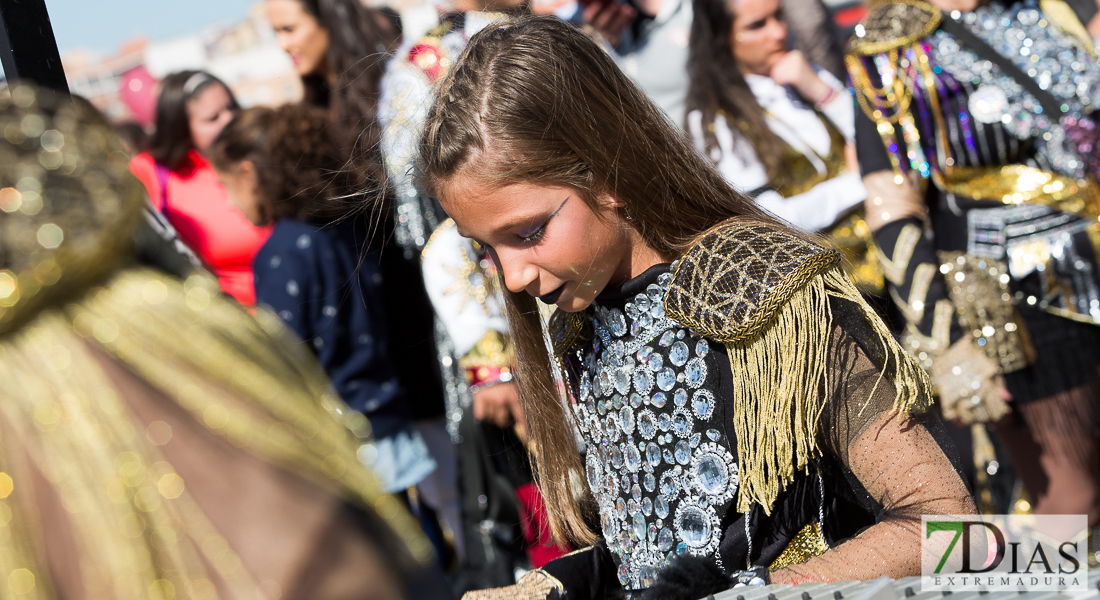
x=240 y=182
x=208 y=112
x=300 y=35
x=547 y=241
x=759 y=35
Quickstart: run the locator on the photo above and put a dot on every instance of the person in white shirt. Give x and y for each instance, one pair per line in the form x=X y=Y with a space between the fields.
x=777 y=127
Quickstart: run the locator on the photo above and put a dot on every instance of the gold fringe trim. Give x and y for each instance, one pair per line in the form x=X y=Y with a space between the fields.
x=781 y=386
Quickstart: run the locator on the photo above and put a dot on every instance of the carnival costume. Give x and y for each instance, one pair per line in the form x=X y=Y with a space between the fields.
x=472 y=332
x=815 y=191
x=737 y=405
x=159 y=441
x=977 y=141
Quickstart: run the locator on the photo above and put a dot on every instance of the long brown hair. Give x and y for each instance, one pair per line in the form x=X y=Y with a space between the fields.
x=361 y=41
x=716 y=84
x=533 y=100
x=299 y=168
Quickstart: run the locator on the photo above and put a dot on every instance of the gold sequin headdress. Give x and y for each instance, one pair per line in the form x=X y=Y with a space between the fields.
x=73 y=300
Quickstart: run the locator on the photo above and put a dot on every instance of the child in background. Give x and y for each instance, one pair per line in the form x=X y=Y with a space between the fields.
x=318 y=271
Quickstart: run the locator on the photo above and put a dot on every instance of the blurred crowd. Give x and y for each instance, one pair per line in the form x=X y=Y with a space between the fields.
x=943 y=184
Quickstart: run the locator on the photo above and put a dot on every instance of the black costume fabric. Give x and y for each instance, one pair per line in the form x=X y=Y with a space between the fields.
x=1043 y=258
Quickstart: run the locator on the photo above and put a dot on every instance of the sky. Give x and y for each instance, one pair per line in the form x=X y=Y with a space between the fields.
x=102 y=25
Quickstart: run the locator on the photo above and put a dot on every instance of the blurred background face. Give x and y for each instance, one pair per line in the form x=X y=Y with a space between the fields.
x=300 y=35
x=208 y=113
x=759 y=36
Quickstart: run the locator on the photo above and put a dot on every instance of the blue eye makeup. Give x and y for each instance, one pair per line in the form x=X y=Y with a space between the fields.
x=534 y=234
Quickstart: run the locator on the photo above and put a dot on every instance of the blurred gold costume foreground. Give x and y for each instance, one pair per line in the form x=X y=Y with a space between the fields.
x=156 y=441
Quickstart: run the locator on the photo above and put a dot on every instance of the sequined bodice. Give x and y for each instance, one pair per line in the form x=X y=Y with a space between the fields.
x=660 y=462
x=1024 y=35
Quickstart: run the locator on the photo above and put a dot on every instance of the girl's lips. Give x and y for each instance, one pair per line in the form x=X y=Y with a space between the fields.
x=553 y=296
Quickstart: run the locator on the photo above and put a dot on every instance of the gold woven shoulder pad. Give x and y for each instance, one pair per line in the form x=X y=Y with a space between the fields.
x=737 y=277
x=894 y=24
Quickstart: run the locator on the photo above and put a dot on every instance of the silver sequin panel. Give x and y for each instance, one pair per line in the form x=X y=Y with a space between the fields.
x=659 y=468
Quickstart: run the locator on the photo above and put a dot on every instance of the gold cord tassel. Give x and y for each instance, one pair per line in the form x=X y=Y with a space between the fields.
x=779 y=391
x=781 y=386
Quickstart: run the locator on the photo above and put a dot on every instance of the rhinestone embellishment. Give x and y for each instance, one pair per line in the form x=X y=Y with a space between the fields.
x=658 y=464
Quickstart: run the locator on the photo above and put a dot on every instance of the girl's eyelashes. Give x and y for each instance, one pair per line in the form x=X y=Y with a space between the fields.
x=530 y=237
x=534 y=234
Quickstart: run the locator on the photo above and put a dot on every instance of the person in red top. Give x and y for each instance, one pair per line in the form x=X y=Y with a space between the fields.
x=192 y=109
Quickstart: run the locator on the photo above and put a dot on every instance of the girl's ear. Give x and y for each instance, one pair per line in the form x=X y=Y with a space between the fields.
x=247 y=167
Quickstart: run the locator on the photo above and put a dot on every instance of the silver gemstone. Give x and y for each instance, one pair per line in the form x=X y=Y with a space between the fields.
x=632 y=458
x=644 y=354
x=693 y=525
x=702 y=348
x=616 y=457
x=636 y=400
x=659 y=399
x=669 y=486
x=647 y=424
x=668 y=456
x=636 y=492
x=664 y=539
x=664 y=421
x=642 y=302
x=617 y=323
x=620 y=508
x=666 y=379
x=621 y=378
x=667 y=338
x=626 y=420
x=680 y=398
x=703 y=404
x=594 y=469
x=696 y=372
x=695 y=439
x=639 y=526
x=678 y=354
x=649 y=482
x=656 y=362
x=681 y=422
x=711 y=474
x=653 y=454
x=643 y=380
x=683 y=452
x=714 y=434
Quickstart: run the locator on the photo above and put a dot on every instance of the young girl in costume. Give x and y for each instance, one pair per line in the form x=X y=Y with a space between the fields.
x=317 y=270
x=739 y=401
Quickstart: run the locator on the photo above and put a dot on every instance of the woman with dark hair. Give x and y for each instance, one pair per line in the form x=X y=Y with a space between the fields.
x=777 y=127
x=340 y=49
x=740 y=401
x=192 y=109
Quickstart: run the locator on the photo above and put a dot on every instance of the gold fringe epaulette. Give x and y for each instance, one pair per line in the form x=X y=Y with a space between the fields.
x=736 y=278
x=892 y=25
x=765 y=294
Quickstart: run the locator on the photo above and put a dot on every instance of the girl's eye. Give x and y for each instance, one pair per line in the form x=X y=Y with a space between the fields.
x=535 y=235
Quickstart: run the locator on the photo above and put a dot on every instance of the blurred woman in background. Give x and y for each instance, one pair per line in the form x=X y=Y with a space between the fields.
x=192 y=109
x=778 y=127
